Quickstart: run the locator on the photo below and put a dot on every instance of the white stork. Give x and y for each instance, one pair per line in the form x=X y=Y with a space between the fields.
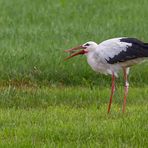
x=111 y=56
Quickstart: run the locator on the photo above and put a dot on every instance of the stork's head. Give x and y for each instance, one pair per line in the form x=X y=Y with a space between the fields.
x=86 y=49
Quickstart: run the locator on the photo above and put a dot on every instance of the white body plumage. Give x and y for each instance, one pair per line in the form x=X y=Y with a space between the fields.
x=97 y=57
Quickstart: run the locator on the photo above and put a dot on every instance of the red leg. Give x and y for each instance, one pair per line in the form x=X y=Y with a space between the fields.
x=112 y=92
x=125 y=89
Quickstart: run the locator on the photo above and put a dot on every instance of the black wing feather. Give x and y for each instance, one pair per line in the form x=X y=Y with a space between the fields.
x=137 y=50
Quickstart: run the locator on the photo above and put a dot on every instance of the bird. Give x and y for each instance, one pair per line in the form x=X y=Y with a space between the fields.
x=112 y=56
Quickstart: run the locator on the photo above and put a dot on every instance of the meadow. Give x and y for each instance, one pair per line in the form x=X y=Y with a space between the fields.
x=46 y=102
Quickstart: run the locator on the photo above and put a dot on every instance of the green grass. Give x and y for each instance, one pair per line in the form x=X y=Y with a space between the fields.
x=24 y=97
x=72 y=117
x=46 y=102
x=34 y=34
x=63 y=126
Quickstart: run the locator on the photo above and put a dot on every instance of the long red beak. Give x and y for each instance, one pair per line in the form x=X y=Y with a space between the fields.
x=75 y=54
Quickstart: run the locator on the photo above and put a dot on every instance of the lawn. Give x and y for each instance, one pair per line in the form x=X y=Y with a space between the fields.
x=71 y=117
x=46 y=102
x=34 y=34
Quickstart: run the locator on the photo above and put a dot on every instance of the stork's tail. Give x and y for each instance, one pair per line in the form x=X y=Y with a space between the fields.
x=145 y=46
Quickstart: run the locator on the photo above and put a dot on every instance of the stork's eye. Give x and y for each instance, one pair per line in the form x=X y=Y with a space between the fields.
x=87 y=44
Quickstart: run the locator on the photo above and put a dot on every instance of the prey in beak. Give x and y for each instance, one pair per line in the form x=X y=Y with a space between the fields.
x=71 y=51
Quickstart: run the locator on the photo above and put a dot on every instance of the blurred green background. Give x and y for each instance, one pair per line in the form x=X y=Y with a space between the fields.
x=34 y=34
